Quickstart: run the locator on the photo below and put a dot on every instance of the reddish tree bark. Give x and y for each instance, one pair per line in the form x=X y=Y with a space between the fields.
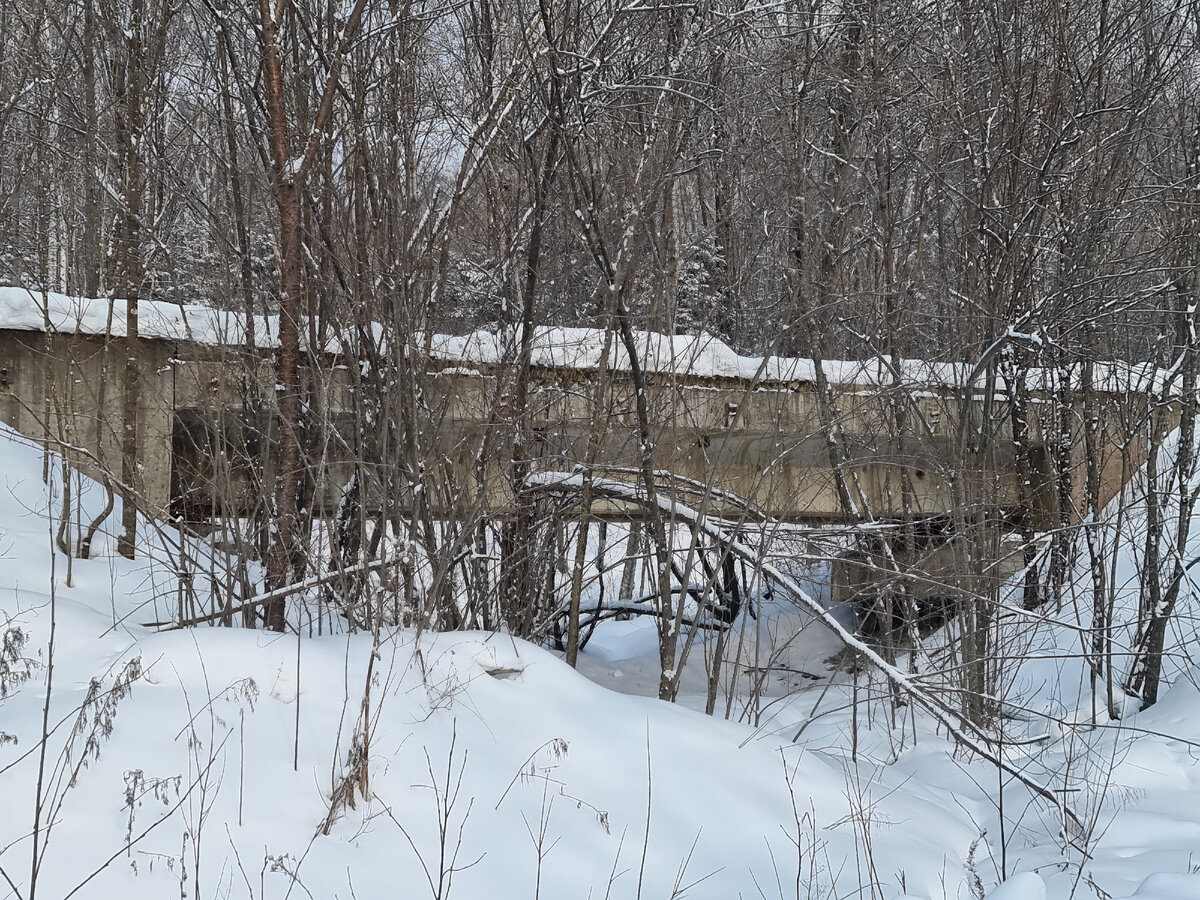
x=286 y=552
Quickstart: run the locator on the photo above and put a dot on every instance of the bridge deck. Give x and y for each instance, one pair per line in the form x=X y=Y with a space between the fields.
x=910 y=447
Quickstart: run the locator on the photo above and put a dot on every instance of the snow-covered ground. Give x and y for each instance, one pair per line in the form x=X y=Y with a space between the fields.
x=215 y=762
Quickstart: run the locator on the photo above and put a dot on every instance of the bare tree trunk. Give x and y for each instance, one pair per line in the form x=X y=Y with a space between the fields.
x=289 y=475
x=130 y=135
x=1146 y=676
x=287 y=552
x=519 y=587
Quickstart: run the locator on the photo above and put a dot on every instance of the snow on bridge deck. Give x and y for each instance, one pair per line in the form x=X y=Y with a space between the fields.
x=684 y=356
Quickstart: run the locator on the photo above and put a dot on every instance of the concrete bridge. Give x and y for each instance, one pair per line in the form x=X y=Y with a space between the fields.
x=915 y=442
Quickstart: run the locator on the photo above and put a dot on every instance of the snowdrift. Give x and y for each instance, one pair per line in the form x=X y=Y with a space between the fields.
x=219 y=762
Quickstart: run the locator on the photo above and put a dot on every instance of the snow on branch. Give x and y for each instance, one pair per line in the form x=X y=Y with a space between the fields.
x=978 y=740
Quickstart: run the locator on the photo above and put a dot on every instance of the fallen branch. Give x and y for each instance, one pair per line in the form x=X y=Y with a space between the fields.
x=269 y=596
x=943 y=712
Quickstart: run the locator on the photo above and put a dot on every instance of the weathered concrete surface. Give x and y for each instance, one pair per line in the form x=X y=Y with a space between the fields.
x=204 y=431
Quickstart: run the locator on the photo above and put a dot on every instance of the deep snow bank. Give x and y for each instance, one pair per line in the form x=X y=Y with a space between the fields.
x=204 y=761
x=207 y=762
